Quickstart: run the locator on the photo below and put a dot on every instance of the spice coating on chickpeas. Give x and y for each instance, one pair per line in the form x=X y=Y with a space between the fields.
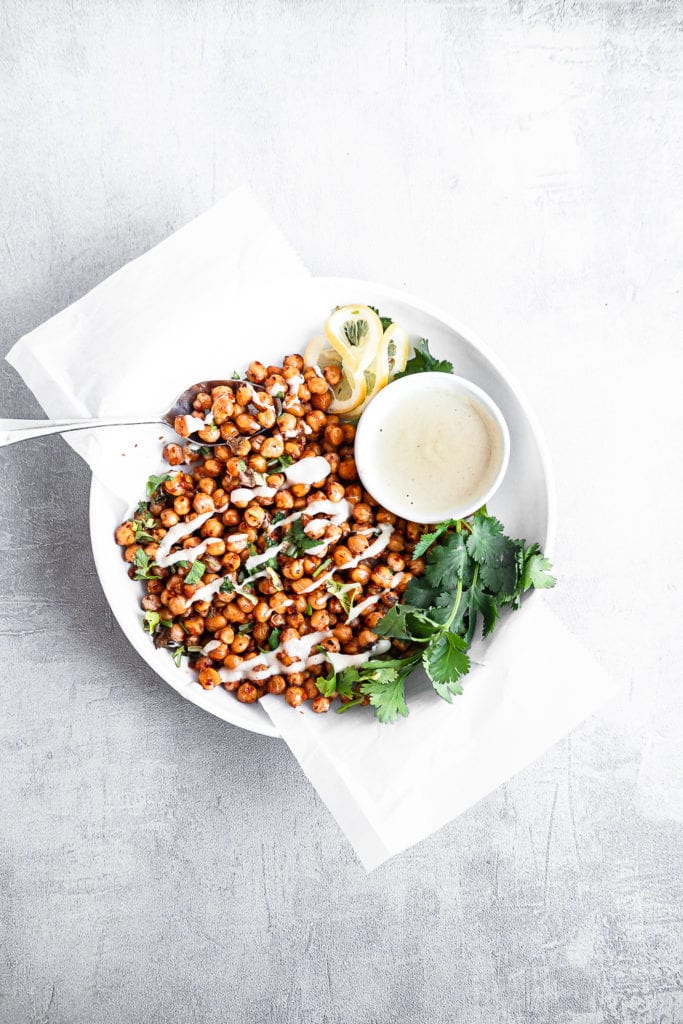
x=250 y=623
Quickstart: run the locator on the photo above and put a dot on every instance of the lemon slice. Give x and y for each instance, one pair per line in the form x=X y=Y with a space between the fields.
x=348 y=394
x=318 y=353
x=355 y=332
x=398 y=348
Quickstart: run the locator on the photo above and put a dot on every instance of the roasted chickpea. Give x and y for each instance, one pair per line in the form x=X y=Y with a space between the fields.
x=244 y=394
x=174 y=454
x=293 y=569
x=276 y=684
x=254 y=516
x=347 y=469
x=341 y=555
x=357 y=543
x=247 y=424
x=360 y=574
x=240 y=643
x=317 y=385
x=262 y=611
x=256 y=372
x=125 y=535
x=222 y=409
x=181 y=505
x=320 y=705
x=320 y=620
x=178 y=605
x=202 y=503
x=247 y=693
x=295 y=695
x=209 y=678
x=382 y=576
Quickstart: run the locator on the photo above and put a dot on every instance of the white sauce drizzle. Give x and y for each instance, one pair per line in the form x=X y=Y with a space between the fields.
x=358 y=609
x=194 y=423
x=385 y=532
x=294 y=383
x=206 y=592
x=308 y=471
x=247 y=494
x=184 y=555
x=211 y=646
x=176 y=534
x=267 y=663
x=341 y=661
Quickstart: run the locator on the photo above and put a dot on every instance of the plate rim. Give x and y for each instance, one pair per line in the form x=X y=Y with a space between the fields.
x=98 y=490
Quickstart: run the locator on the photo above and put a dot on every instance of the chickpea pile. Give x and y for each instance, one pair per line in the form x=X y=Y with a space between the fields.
x=251 y=429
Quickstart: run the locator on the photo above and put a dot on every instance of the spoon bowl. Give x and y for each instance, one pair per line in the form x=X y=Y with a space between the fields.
x=12 y=431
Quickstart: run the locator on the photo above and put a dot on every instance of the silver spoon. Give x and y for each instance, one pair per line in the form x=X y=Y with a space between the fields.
x=12 y=431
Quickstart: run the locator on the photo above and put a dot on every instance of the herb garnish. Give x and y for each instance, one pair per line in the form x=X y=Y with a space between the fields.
x=277 y=465
x=144 y=566
x=422 y=361
x=297 y=540
x=155 y=482
x=196 y=572
x=346 y=593
x=472 y=571
x=386 y=321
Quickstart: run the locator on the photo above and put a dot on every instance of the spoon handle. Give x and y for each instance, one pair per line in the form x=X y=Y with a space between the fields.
x=12 y=431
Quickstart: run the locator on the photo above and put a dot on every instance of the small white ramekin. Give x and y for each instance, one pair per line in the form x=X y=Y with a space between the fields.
x=413 y=393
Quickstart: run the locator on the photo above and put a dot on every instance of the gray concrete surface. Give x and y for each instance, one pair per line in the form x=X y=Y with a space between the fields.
x=520 y=164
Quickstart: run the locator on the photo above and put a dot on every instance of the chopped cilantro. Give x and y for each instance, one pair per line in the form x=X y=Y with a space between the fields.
x=144 y=566
x=277 y=465
x=151 y=622
x=321 y=568
x=196 y=572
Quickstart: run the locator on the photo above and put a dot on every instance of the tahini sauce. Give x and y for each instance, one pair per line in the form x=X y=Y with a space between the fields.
x=441 y=456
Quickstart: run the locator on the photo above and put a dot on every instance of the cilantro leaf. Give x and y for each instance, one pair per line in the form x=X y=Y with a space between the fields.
x=196 y=572
x=227 y=586
x=297 y=540
x=406 y=623
x=144 y=566
x=151 y=621
x=427 y=539
x=327 y=684
x=448 y=563
x=387 y=695
x=155 y=482
x=345 y=681
x=386 y=321
x=274 y=639
x=420 y=593
x=445 y=662
x=422 y=361
x=536 y=571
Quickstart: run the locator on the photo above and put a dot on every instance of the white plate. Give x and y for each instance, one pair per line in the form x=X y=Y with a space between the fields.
x=288 y=315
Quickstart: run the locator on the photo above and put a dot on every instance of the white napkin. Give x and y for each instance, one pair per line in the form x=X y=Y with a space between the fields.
x=129 y=344
x=389 y=786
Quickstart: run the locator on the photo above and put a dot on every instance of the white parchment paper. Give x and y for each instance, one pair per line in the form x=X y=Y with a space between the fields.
x=387 y=786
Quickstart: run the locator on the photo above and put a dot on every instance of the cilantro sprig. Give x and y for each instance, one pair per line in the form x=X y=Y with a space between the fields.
x=472 y=571
x=422 y=361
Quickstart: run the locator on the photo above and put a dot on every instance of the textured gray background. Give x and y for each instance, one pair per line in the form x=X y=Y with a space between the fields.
x=519 y=164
